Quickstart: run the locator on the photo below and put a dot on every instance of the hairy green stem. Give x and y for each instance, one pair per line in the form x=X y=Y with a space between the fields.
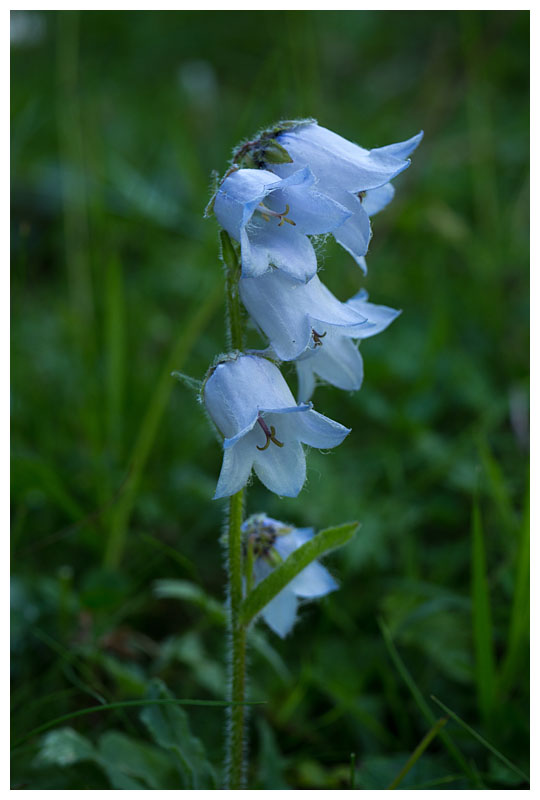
x=237 y=687
x=235 y=327
x=235 y=745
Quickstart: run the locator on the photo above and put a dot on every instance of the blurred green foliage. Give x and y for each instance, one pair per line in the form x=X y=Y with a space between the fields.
x=118 y=120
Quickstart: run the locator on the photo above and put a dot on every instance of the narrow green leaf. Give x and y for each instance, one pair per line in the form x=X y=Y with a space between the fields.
x=498 y=486
x=124 y=704
x=482 y=626
x=452 y=748
x=228 y=253
x=322 y=543
x=352 y=770
x=518 y=634
x=424 y=744
x=115 y=349
x=481 y=739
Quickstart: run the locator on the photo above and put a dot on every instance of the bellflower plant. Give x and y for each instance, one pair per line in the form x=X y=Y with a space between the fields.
x=271 y=218
x=294 y=181
x=356 y=178
x=252 y=406
x=271 y=542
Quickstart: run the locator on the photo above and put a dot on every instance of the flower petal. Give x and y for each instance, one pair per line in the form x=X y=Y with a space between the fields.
x=311 y=211
x=275 y=302
x=355 y=233
x=324 y=307
x=280 y=613
x=376 y=199
x=264 y=412
x=306 y=379
x=282 y=469
x=236 y=467
x=289 y=542
x=283 y=247
x=239 y=387
x=400 y=149
x=313 y=581
x=336 y=161
x=339 y=363
x=380 y=317
x=288 y=311
x=239 y=195
x=317 y=430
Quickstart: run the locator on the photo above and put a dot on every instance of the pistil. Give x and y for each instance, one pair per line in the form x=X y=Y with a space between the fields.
x=266 y=213
x=317 y=337
x=270 y=434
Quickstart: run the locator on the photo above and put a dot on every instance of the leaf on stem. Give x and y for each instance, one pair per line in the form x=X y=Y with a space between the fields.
x=322 y=543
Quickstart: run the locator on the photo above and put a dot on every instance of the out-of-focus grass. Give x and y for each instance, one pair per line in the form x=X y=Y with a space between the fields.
x=118 y=119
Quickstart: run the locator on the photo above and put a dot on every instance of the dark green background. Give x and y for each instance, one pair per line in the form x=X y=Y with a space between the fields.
x=118 y=120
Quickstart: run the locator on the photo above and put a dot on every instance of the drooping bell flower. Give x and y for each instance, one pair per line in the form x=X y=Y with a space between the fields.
x=263 y=427
x=272 y=217
x=296 y=316
x=336 y=358
x=356 y=178
x=271 y=542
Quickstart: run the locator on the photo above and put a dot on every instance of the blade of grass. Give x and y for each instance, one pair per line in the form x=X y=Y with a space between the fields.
x=482 y=626
x=114 y=325
x=498 y=486
x=149 y=425
x=71 y=147
x=424 y=744
x=518 y=634
x=481 y=739
x=128 y=704
x=452 y=748
x=437 y=782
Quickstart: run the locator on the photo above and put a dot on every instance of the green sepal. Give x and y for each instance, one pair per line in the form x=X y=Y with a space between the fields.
x=275 y=153
x=187 y=380
x=323 y=542
x=215 y=180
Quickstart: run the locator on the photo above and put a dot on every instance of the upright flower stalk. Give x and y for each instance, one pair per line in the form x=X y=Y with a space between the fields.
x=235 y=744
x=293 y=182
x=235 y=747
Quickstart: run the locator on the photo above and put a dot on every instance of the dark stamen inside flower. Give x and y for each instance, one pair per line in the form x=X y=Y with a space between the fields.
x=266 y=213
x=270 y=434
x=262 y=542
x=317 y=337
x=361 y=195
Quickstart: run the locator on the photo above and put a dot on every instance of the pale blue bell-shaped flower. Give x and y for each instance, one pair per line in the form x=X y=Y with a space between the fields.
x=337 y=359
x=295 y=316
x=272 y=217
x=273 y=541
x=356 y=178
x=263 y=427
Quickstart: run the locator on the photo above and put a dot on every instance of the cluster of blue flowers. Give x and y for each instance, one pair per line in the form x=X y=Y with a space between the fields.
x=296 y=181
x=308 y=181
